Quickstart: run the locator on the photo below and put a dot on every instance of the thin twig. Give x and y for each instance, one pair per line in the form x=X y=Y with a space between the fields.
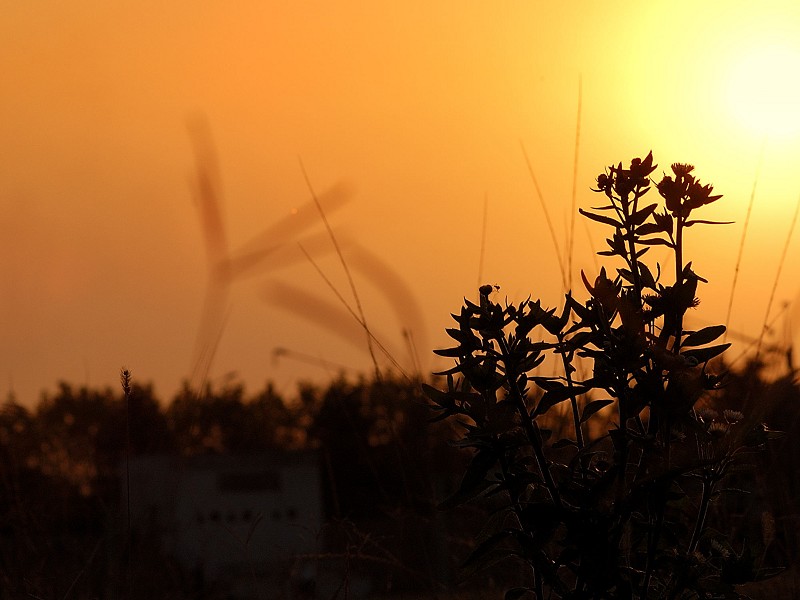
x=408 y=335
x=483 y=240
x=349 y=276
x=358 y=319
x=773 y=348
x=575 y=184
x=547 y=219
x=82 y=571
x=777 y=277
x=125 y=381
x=744 y=235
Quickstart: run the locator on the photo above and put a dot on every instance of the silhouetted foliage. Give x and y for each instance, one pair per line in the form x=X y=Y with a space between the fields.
x=623 y=512
x=383 y=467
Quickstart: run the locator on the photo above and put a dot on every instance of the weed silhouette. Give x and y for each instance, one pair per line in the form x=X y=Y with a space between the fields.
x=617 y=511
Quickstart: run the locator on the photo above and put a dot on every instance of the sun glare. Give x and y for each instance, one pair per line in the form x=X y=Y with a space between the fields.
x=764 y=90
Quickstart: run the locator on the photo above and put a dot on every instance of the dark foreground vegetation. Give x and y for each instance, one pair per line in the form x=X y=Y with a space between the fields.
x=384 y=471
x=62 y=464
x=631 y=465
x=650 y=488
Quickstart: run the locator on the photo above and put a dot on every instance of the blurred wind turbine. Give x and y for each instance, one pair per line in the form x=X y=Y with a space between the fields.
x=270 y=250
x=225 y=266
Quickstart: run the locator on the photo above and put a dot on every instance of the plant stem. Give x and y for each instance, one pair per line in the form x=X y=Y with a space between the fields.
x=568 y=374
x=676 y=346
x=529 y=425
x=701 y=514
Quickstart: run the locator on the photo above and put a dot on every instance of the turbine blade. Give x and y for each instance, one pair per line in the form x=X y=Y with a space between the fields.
x=316 y=311
x=261 y=245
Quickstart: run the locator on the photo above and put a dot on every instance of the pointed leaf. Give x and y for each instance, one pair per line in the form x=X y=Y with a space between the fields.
x=649 y=228
x=600 y=218
x=517 y=593
x=705 y=354
x=563 y=443
x=641 y=215
x=656 y=242
x=593 y=407
x=548 y=383
x=695 y=221
x=433 y=394
x=704 y=336
x=452 y=352
x=555 y=396
x=474 y=480
x=646 y=276
x=451 y=371
x=487 y=548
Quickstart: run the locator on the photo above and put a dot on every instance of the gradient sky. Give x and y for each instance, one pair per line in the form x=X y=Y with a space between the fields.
x=419 y=109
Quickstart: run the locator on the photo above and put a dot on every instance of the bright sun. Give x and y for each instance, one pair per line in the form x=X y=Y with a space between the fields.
x=764 y=90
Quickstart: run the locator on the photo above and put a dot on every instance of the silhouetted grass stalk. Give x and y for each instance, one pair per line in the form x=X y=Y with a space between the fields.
x=778 y=276
x=752 y=342
x=574 y=211
x=349 y=276
x=125 y=381
x=483 y=239
x=359 y=320
x=548 y=221
x=744 y=235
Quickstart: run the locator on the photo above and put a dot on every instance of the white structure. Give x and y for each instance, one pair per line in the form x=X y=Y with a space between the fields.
x=229 y=517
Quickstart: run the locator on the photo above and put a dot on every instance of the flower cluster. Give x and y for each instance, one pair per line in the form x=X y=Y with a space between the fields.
x=684 y=193
x=623 y=182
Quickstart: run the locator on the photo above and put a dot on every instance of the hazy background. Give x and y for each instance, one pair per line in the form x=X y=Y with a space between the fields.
x=420 y=107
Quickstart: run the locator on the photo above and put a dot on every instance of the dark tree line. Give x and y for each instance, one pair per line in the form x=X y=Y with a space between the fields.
x=384 y=468
x=61 y=462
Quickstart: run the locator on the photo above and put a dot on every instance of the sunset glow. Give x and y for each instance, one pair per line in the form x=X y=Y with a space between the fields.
x=419 y=109
x=764 y=90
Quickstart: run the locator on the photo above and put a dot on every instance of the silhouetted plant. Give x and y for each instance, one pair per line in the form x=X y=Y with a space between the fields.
x=620 y=512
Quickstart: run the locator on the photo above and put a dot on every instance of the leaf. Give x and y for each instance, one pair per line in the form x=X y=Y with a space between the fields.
x=480 y=465
x=463 y=336
x=555 y=396
x=580 y=339
x=474 y=481
x=451 y=352
x=548 y=383
x=563 y=443
x=641 y=215
x=696 y=221
x=703 y=355
x=704 y=336
x=646 y=276
x=593 y=407
x=626 y=275
x=487 y=547
x=657 y=242
x=433 y=393
x=649 y=228
x=451 y=371
x=600 y=218
x=517 y=592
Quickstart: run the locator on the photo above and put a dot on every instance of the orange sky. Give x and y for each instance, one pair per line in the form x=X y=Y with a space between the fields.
x=419 y=107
